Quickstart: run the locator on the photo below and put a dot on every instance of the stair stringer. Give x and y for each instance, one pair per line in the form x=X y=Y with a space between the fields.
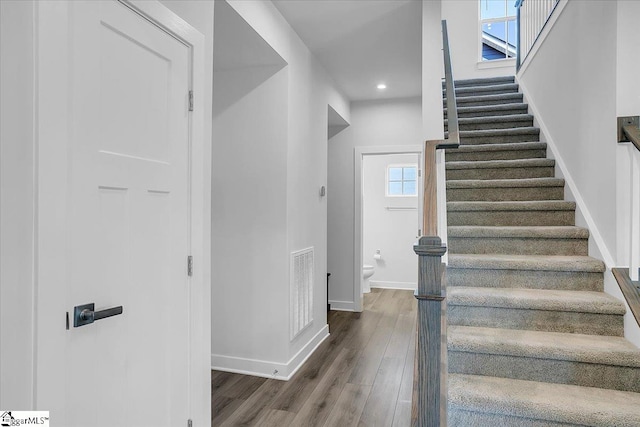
x=597 y=247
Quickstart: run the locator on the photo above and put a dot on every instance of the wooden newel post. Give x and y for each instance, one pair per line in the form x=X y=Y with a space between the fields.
x=430 y=297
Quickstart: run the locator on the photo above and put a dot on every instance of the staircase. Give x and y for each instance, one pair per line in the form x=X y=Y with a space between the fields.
x=532 y=338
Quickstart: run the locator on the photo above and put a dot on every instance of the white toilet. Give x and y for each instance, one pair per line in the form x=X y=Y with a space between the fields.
x=367 y=272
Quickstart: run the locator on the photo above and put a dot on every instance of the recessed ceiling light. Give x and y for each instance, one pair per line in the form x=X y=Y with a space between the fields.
x=382 y=86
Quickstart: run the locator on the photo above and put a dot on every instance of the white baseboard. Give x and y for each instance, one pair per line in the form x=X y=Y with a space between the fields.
x=269 y=369
x=342 y=305
x=409 y=286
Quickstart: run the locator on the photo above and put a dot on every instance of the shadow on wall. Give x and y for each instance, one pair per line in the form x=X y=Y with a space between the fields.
x=336 y=123
x=242 y=59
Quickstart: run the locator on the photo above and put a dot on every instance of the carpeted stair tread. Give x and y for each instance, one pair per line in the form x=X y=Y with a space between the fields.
x=536 y=299
x=508 y=151
x=527 y=262
x=555 y=404
x=524 y=232
x=529 y=240
x=501 y=98
x=487 y=133
x=539 y=205
x=483 y=81
x=605 y=350
x=488 y=88
x=492 y=110
x=499 y=147
x=506 y=183
x=493 y=119
x=501 y=164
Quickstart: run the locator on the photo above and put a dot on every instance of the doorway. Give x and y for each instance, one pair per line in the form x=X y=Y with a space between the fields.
x=389 y=220
x=360 y=154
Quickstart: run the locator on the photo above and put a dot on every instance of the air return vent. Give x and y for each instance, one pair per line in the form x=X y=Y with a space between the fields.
x=301 y=290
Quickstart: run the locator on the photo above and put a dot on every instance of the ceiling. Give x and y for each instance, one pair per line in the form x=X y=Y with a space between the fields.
x=362 y=43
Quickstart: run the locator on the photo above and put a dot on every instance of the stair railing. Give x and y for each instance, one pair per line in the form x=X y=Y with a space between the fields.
x=532 y=16
x=629 y=131
x=428 y=374
x=629 y=279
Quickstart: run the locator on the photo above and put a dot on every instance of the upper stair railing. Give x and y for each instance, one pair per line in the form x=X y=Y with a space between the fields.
x=532 y=16
x=629 y=131
x=426 y=407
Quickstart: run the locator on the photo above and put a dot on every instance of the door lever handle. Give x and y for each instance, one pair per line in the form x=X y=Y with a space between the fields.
x=86 y=314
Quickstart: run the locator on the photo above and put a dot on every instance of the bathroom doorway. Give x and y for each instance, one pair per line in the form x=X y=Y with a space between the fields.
x=388 y=207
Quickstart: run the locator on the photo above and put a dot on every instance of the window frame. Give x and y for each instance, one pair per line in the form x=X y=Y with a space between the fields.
x=507 y=19
x=401 y=165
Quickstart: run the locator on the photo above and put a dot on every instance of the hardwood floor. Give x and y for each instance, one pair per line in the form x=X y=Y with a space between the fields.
x=361 y=375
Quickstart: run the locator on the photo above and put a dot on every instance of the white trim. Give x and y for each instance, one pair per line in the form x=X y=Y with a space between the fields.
x=381 y=284
x=496 y=63
x=555 y=15
x=18 y=203
x=200 y=198
x=359 y=153
x=265 y=368
x=341 y=305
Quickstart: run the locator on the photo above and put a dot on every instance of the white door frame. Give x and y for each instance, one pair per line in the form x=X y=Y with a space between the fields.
x=52 y=143
x=360 y=152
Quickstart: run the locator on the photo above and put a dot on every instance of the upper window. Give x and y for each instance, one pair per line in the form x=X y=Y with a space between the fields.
x=402 y=180
x=497 y=29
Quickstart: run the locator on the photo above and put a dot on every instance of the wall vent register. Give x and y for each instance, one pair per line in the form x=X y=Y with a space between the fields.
x=301 y=291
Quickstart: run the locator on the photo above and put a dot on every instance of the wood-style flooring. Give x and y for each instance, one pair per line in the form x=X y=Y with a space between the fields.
x=362 y=375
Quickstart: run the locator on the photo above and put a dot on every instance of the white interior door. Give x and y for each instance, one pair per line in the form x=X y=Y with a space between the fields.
x=123 y=239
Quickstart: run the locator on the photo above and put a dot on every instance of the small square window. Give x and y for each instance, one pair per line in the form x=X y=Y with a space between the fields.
x=402 y=180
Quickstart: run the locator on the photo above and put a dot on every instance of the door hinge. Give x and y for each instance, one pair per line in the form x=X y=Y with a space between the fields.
x=419 y=172
x=190 y=100
x=189 y=423
x=190 y=266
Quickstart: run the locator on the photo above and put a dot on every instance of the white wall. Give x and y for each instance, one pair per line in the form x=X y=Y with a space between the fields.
x=628 y=58
x=627 y=104
x=393 y=232
x=571 y=85
x=277 y=131
x=463 y=19
x=432 y=71
x=16 y=205
x=249 y=303
x=373 y=123
x=249 y=227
